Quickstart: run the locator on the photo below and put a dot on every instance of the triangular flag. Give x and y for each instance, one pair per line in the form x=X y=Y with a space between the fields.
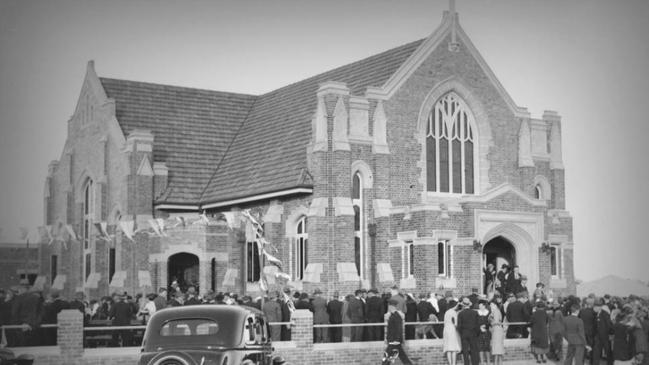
x=282 y=275
x=71 y=232
x=229 y=217
x=272 y=259
x=154 y=226
x=182 y=221
x=48 y=229
x=202 y=219
x=263 y=284
x=127 y=229
x=161 y=225
x=101 y=227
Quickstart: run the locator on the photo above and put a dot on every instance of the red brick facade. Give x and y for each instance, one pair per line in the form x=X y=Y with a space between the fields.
x=379 y=131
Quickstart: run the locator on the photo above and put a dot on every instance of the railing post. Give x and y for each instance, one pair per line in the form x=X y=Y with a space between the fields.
x=302 y=333
x=70 y=335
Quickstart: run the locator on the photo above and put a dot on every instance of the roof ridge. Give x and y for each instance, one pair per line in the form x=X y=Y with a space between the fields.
x=146 y=83
x=404 y=46
x=227 y=150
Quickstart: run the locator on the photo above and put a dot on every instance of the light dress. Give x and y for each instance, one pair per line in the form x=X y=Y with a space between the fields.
x=451 y=339
x=497 y=333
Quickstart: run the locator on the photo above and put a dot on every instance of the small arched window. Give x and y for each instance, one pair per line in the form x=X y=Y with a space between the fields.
x=87 y=224
x=538 y=192
x=301 y=244
x=450 y=147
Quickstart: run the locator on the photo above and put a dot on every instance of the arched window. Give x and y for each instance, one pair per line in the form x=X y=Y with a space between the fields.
x=357 y=202
x=450 y=152
x=88 y=215
x=301 y=248
x=538 y=192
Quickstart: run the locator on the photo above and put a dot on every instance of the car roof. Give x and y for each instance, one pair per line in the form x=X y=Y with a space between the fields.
x=205 y=311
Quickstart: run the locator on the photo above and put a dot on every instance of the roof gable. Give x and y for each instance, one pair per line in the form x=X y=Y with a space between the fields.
x=192 y=128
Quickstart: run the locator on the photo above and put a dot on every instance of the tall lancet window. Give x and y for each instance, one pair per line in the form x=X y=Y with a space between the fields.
x=301 y=249
x=88 y=216
x=450 y=139
x=357 y=201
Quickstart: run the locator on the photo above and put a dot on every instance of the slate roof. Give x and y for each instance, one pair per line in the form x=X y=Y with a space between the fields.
x=269 y=154
x=220 y=146
x=192 y=129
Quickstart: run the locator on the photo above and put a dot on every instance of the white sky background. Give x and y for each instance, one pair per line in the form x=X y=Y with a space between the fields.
x=587 y=59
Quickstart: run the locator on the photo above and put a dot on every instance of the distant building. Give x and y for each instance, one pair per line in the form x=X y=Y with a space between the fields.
x=19 y=262
x=413 y=166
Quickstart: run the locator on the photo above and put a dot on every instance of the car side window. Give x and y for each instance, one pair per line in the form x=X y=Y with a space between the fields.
x=250 y=329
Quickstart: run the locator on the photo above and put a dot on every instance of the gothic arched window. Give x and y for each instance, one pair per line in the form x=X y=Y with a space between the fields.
x=88 y=215
x=450 y=147
x=301 y=248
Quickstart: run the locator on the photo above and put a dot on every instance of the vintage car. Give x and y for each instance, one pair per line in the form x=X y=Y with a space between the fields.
x=207 y=335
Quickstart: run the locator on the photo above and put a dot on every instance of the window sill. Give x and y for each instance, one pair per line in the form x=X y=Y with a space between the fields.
x=557 y=283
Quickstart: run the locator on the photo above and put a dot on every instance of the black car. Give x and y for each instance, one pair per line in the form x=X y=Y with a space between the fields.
x=207 y=335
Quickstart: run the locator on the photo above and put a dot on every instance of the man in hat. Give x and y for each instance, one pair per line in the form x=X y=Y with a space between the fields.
x=176 y=299
x=574 y=334
x=517 y=311
x=469 y=328
x=501 y=280
x=26 y=310
x=394 y=291
x=394 y=335
x=287 y=308
x=374 y=311
x=273 y=312
x=588 y=316
x=320 y=316
x=603 y=329
x=355 y=312
x=334 y=310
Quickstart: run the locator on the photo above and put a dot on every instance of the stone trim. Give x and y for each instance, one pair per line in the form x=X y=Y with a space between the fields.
x=341 y=119
x=382 y=207
x=318 y=207
x=366 y=173
x=343 y=206
x=500 y=190
x=294 y=217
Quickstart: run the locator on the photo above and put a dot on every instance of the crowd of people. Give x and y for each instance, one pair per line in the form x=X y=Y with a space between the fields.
x=596 y=328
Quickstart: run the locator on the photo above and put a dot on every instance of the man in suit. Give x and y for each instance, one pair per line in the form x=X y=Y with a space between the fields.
x=334 y=309
x=273 y=311
x=374 y=314
x=401 y=300
x=469 y=328
x=320 y=316
x=121 y=313
x=27 y=311
x=603 y=329
x=588 y=316
x=517 y=311
x=573 y=332
x=192 y=297
x=355 y=313
x=288 y=307
x=394 y=335
x=424 y=311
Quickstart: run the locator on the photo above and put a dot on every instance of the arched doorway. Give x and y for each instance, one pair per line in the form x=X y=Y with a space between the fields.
x=497 y=251
x=183 y=267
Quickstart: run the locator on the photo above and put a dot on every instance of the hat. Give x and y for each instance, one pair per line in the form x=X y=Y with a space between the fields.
x=287 y=290
x=466 y=301
x=599 y=302
x=523 y=277
x=162 y=290
x=393 y=302
x=540 y=284
x=395 y=287
x=191 y=290
x=540 y=304
x=373 y=290
x=317 y=291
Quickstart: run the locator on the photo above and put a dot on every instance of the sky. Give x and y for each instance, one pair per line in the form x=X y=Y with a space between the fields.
x=586 y=59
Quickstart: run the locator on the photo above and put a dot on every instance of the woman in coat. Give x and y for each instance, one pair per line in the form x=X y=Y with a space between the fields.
x=451 y=340
x=347 y=331
x=411 y=316
x=539 y=337
x=555 y=330
x=497 y=333
x=484 y=337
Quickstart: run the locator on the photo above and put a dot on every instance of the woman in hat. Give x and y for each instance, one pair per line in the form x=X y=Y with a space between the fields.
x=539 y=338
x=555 y=330
x=451 y=339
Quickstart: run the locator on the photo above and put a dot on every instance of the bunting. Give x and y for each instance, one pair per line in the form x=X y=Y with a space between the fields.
x=71 y=232
x=127 y=228
x=101 y=227
x=272 y=259
x=154 y=225
x=229 y=218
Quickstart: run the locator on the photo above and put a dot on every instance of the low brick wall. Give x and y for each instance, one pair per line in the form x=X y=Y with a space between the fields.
x=300 y=351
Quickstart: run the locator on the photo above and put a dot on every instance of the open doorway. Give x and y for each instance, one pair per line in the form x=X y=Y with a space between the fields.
x=183 y=268
x=498 y=251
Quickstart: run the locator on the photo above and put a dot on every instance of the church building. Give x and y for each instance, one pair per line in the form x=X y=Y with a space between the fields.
x=411 y=167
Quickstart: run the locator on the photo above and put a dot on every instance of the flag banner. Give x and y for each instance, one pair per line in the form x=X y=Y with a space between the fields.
x=155 y=227
x=229 y=218
x=272 y=259
x=161 y=226
x=182 y=222
x=283 y=276
x=253 y=220
x=71 y=232
x=50 y=239
x=101 y=230
x=127 y=229
x=263 y=284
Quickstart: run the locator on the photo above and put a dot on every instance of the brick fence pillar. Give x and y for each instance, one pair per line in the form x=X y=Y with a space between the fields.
x=70 y=335
x=302 y=333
